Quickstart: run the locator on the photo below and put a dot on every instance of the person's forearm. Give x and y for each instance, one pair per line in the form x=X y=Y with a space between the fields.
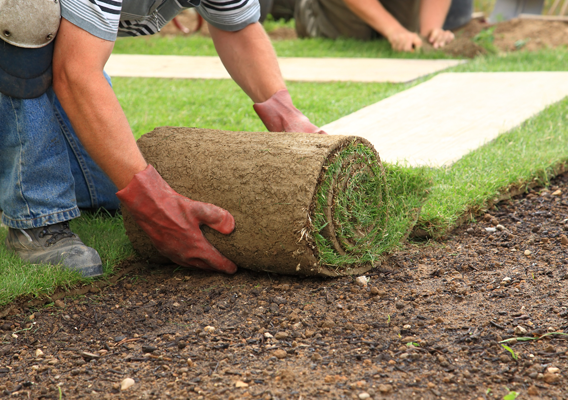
x=92 y=106
x=432 y=15
x=375 y=15
x=250 y=59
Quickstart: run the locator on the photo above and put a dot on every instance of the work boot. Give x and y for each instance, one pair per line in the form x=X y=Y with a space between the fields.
x=55 y=244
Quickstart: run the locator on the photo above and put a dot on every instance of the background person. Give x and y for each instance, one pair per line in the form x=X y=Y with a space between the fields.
x=69 y=146
x=399 y=21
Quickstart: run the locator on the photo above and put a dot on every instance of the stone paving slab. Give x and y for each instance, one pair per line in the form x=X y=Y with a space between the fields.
x=293 y=68
x=439 y=121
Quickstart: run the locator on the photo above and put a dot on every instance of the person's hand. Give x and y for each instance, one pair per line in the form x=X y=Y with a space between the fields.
x=439 y=38
x=173 y=222
x=279 y=115
x=404 y=40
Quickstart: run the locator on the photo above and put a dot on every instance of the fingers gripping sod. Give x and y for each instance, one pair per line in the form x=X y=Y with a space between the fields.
x=279 y=115
x=173 y=222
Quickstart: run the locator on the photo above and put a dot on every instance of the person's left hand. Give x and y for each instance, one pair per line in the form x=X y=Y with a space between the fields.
x=439 y=37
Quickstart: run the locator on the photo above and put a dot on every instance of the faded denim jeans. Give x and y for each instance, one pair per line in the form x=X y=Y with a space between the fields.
x=45 y=173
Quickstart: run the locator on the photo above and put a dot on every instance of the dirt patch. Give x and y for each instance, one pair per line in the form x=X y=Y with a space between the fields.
x=271 y=184
x=513 y=35
x=428 y=324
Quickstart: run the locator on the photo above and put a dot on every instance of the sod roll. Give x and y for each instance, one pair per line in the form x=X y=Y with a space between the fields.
x=303 y=203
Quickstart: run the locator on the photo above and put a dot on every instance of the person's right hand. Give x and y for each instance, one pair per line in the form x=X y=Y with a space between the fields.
x=404 y=40
x=173 y=222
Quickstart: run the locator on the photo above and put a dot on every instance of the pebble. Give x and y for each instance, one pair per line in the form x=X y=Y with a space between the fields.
x=268 y=335
x=553 y=370
x=528 y=252
x=385 y=389
x=490 y=230
x=119 y=338
x=504 y=358
x=38 y=353
x=317 y=357
x=126 y=383
x=209 y=329
x=328 y=323
x=281 y=336
x=241 y=384
x=500 y=227
x=280 y=354
x=519 y=330
x=532 y=391
x=550 y=348
x=564 y=240
x=297 y=326
x=374 y=291
x=399 y=305
x=364 y=395
x=59 y=303
x=362 y=281
x=557 y=193
x=551 y=378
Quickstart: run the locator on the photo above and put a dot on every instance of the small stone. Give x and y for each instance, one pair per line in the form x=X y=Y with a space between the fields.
x=500 y=227
x=439 y=320
x=519 y=331
x=281 y=336
x=241 y=384
x=528 y=252
x=126 y=383
x=504 y=358
x=280 y=354
x=553 y=370
x=328 y=323
x=268 y=335
x=362 y=281
x=532 y=391
x=297 y=326
x=176 y=304
x=59 y=303
x=399 y=305
x=190 y=363
x=551 y=378
x=374 y=291
x=148 y=349
x=364 y=395
x=407 y=326
x=39 y=353
x=557 y=193
x=385 y=389
x=564 y=240
x=490 y=230
x=408 y=339
x=550 y=348
x=119 y=338
x=209 y=329
x=316 y=357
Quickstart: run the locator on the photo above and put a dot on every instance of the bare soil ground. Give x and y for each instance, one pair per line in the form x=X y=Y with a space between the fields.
x=513 y=35
x=427 y=325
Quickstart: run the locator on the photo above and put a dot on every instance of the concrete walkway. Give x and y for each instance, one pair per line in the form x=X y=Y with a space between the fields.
x=441 y=120
x=293 y=69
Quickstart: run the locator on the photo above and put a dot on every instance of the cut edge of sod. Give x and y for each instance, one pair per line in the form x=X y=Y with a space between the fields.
x=525 y=157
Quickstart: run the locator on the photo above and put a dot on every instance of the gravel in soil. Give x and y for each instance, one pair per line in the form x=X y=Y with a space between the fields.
x=426 y=324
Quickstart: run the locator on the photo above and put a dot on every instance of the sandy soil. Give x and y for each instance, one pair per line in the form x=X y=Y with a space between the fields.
x=179 y=333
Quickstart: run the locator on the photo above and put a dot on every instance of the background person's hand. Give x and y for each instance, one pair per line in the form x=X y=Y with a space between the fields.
x=439 y=38
x=404 y=40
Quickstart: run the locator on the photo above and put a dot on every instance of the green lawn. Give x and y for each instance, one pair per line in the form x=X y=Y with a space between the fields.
x=529 y=151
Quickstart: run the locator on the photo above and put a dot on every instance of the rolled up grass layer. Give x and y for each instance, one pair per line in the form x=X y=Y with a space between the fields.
x=303 y=204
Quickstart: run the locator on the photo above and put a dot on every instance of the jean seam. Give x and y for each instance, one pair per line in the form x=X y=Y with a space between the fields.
x=53 y=218
x=20 y=180
x=81 y=161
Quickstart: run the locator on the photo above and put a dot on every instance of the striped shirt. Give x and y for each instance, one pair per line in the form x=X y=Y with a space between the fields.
x=108 y=18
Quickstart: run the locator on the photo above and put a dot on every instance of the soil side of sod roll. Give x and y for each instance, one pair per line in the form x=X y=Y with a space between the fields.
x=303 y=204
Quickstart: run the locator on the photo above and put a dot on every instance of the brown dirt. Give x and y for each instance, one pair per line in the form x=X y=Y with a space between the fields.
x=265 y=180
x=180 y=333
x=513 y=35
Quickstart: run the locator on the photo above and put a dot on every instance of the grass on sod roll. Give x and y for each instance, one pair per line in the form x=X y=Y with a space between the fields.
x=371 y=212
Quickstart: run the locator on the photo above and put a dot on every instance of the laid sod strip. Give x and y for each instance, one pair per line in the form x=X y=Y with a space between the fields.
x=303 y=204
x=530 y=154
x=301 y=69
x=104 y=233
x=203 y=46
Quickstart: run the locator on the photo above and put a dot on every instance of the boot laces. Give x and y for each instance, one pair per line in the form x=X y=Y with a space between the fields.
x=56 y=234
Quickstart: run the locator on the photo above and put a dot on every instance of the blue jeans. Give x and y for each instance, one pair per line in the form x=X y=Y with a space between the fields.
x=45 y=173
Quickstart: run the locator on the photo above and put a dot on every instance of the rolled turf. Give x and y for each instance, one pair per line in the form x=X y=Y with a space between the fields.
x=303 y=203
